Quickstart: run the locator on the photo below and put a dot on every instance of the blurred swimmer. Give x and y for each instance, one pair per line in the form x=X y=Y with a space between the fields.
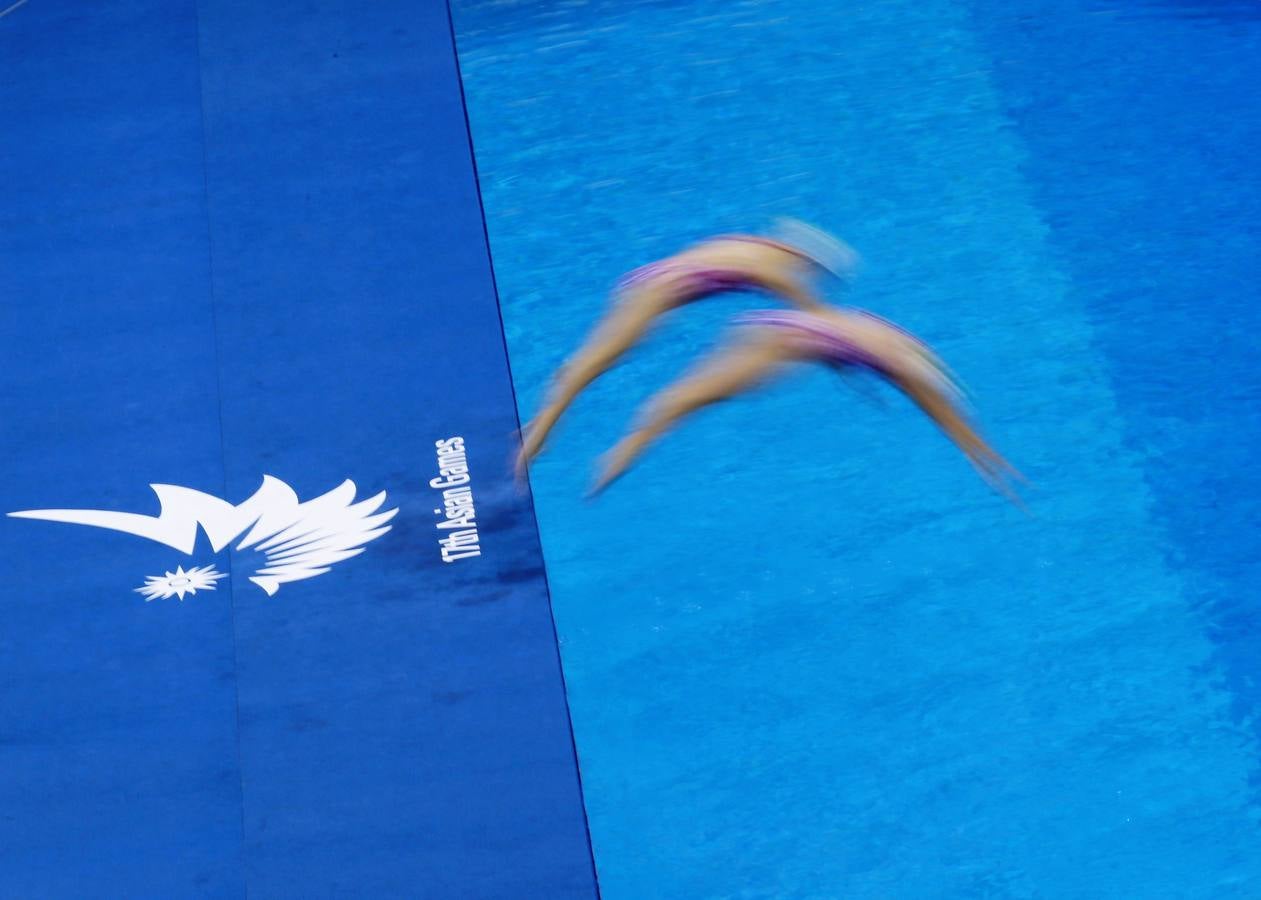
x=781 y=264
x=848 y=341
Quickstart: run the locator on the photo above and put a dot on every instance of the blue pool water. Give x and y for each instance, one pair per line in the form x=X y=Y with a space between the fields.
x=807 y=654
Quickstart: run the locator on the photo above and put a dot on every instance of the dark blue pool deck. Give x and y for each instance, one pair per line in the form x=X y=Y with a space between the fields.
x=244 y=240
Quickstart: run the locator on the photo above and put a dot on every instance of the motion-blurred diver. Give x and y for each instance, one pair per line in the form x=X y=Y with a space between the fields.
x=849 y=341
x=783 y=264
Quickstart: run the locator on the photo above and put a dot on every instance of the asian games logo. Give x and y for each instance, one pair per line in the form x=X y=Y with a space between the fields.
x=297 y=539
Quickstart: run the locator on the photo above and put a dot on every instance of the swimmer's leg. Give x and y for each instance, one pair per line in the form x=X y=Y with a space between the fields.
x=730 y=371
x=625 y=325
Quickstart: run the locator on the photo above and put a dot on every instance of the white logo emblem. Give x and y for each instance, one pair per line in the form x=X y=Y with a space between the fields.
x=298 y=540
x=179 y=583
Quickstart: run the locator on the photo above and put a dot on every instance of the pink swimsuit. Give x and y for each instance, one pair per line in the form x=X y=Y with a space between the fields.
x=699 y=281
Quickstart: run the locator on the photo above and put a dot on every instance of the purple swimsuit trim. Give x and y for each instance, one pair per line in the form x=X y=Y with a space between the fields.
x=833 y=347
x=701 y=281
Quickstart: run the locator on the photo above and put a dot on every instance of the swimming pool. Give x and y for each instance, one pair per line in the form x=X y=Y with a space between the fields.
x=807 y=654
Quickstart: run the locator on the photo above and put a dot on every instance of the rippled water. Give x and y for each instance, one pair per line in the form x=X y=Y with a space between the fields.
x=808 y=654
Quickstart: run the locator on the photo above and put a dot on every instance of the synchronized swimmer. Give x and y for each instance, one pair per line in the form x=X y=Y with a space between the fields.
x=783 y=264
x=764 y=344
x=768 y=341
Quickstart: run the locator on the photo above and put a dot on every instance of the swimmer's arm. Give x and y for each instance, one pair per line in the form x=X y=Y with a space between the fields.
x=939 y=407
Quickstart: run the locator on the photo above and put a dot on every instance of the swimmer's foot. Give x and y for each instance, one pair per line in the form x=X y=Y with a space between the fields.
x=613 y=465
x=532 y=438
x=610 y=470
x=598 y=486
x=520 y=466
x=607 y=475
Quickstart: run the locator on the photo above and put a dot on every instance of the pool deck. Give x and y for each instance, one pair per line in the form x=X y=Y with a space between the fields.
x=244 y=240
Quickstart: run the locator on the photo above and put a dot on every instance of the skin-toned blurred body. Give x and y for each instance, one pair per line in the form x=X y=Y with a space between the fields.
x=770 y=341
x=721 y=264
